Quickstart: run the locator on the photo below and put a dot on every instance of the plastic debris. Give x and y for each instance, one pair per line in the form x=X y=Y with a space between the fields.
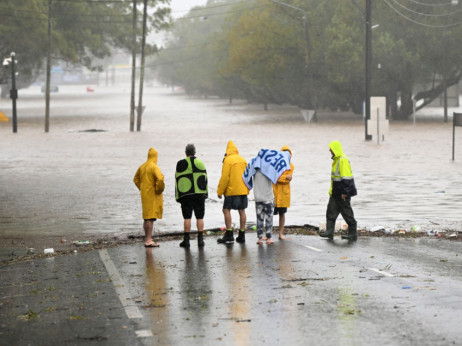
x=454 y=235
x=416 y=229
x=49 y=250
x=377 y=228
x=406 y=287
x=81 y=242
x=432 y=233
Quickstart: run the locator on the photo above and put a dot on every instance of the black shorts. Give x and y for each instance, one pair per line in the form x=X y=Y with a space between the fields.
x=280 y=211
x=235 y=202
x=190 y=203
x=150 y=219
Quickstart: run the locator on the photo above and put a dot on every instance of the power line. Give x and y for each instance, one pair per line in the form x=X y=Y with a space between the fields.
x=420 y=23
x=426 y=14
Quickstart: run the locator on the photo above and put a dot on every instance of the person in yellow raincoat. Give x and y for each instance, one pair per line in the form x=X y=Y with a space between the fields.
x=342 y=188
x=150 y=181
x=281 y=191
x=232 y=186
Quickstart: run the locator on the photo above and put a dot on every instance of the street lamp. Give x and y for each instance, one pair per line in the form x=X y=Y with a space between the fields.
x=13 y=92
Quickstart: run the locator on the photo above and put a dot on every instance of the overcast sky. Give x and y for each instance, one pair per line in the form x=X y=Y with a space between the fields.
x=181 y=7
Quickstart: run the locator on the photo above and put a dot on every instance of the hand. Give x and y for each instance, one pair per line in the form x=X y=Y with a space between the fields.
x=344 y=197
x=219 y=196
x=289 y=177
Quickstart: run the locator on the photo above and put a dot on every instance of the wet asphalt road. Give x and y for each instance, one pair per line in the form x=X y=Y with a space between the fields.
x=306 y=290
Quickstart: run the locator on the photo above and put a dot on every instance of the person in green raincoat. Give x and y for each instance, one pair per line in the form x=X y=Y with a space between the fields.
x=150 y=182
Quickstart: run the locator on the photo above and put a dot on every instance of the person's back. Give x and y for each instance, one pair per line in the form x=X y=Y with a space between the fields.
x=235 y=191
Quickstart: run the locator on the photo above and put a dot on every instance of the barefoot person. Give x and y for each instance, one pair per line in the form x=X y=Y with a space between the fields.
x=261 y=173
x=191 y=190
x=235 y=192
x=150 y=181
x=281 y=192
x=341 y=190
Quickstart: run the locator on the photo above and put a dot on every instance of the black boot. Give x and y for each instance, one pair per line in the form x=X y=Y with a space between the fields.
x=241 y=237
x=350 y=236
x=185 y=242
x=227 y=238
x=326 y=235
x=200 y=239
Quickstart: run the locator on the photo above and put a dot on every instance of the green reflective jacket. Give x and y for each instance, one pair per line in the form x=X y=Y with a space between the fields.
x=190 y=178
x=342 y=181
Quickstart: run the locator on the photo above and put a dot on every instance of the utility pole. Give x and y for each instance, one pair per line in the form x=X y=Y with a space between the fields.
x=14 y=93
x=132 y=95
x=143 y=43
x=48 y=73
x=368 y=49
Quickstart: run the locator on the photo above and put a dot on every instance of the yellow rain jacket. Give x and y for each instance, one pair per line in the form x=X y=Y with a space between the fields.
x=281 y=190
x=150 y=181
x=342 y=181
x=231 y=183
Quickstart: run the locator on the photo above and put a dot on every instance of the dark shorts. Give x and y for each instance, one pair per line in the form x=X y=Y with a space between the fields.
x=150 y=219
x=235 y=202
x=192 y=203
x=280 y=211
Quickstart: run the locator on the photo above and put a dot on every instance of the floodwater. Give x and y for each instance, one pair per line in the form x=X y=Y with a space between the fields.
x=72 y=182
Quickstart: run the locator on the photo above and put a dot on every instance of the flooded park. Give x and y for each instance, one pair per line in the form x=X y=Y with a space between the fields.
x=77 y=179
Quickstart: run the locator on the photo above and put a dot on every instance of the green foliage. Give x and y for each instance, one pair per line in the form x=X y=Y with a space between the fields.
x=81 y=30
x=259 y=49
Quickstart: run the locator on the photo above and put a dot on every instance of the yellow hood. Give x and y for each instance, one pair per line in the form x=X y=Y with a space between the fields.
x=286 y=148
x=336 y=148
x=152 y=155
x=231 y=148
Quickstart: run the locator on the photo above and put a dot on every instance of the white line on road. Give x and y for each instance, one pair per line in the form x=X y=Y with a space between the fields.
x=119 y=285
x=381 y=272
x=313 y=248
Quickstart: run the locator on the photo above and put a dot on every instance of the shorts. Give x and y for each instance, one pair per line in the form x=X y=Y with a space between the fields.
x=280 y=211
x=150 y=219
x=235 y=202
x=192 y=203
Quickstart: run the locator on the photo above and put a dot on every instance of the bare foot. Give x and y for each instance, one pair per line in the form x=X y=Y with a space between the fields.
x=153 y=244
x=260 y=242
x=282 y=237
x=264 y=238
x=269 y=241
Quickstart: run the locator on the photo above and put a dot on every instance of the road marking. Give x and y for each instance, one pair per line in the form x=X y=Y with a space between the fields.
x=313 y=248
x=143 y=333
x=381 y=272
x=119 y=285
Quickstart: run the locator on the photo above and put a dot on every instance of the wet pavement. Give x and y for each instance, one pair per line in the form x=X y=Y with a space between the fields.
x=305 y=290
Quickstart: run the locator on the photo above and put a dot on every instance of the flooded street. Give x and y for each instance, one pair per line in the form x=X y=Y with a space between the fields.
x=72 y=182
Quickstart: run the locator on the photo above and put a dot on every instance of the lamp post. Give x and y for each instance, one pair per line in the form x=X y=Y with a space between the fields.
x=13 y=91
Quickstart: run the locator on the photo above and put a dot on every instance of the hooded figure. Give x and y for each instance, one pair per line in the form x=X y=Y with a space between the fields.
x=233 y=188
x=342 y=182
x=231 y=183
x=150 y=181
x=281 y=190
x=341 y=190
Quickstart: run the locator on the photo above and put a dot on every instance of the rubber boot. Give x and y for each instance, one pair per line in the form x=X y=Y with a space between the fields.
x=200 y=239
x=241 y=237
x=351 y=236
x=326 y=235
x=185 y=242
x=227 y=238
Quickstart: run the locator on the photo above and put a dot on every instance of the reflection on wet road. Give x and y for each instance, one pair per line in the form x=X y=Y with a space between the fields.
x=375 y=291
